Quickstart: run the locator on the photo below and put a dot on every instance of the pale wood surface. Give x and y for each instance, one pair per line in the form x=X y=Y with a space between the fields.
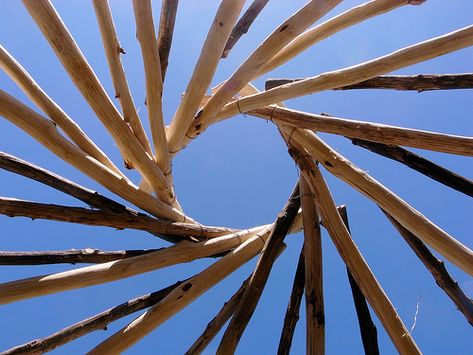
x=45 y=132
x=328 y=28
x=374 y=132
x=204 y=70
x=352 y=257
x=281 y=36
x=116 y=270
x=314 y=294
x=399 y=59
x=409 y=217
x=84 y=78
x=146 y=36
x=179 y=298
x=113 y=51
x=36 y=94
x=96 y=322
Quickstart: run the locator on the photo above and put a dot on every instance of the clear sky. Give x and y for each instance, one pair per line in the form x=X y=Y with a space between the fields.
x=239 y=174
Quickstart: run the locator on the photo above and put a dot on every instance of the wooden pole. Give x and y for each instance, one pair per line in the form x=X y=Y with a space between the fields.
x=419 y=83
x=99 y=321
x=204 y=71
x=37 y=95
x=292 y=313
x=46 y=133
x=113 y=51
x=84 y=78
x=217 y=323
x=352 y=257
x=179 y=298
x=154 y=83
x=368 y=331
x=399 y=59
x=175 y=231
x=115 y=270
x=405 y=214
x=166 y=30
x=281 y=36
x=328 y=28
x=272 y=248
x=314 y=293
x=92 y=198
x=72 y=256
x=243 y=24
x=370 y=131
x=437 y=268
x=420 y=164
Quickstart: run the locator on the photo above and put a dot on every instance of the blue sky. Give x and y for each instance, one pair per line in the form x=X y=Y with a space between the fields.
x=239 y=174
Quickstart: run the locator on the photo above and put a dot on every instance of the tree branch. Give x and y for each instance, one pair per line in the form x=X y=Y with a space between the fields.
x=46 y=177
x=252 y=294
x=374 y=132
x=292 y=312
x=369 y=334
x=244 y=24
x=419 y=163
x=437 y=269
x=314 y=293
x=419 y=83
x=350 y=254
x=97 y=322
x=216 y=324
x=72 y=256
x=166 y=30
x=35 y=210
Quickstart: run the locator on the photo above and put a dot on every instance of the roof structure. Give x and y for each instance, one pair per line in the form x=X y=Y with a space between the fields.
x=140 y=194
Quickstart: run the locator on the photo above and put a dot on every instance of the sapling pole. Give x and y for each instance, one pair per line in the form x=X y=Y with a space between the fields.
x=420 y=164
x=204 y=71
x=167 y=21
x=92 y=198
x=272 y=248
x=180 y=231
x=419 y=82
x=368 y=331
x=373 y=132
x=146 y=36
x=99 y=321
x=437 y=268
x=81 y=73
x=217 y=323
x=352 y=257
x=72 y=256
x=243 y=24
x=113 y=52
x=292 y=312
x=399 y=59
x=37 y=95
x=281 y=36
x=314 y=292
